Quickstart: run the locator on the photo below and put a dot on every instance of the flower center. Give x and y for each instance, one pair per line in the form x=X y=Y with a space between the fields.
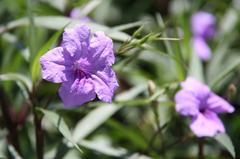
x=202 y=111
x=78 y=71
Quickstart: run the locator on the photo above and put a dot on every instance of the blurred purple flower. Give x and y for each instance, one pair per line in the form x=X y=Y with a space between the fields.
x=199 y=103
x=76 y=12
x=203 y=28
x=203 y=24
x=201 y=48
x=82 y=65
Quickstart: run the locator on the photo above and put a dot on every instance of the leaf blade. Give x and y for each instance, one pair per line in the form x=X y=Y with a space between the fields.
x=60 y=124
x=226 y=142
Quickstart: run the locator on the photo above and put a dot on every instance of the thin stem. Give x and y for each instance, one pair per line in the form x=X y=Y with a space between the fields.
x=38 y=127
x=9 y=123
x=178 y=141
x=154 y=106
x=157 y=120
x=200 y=149
x=151 y=141
x=39 y=135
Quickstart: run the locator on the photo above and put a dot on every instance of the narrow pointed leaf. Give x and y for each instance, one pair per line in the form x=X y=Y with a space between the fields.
x=225 y=140
x=60 y=124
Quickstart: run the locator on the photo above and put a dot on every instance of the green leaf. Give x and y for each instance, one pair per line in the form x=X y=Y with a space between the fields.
x=196 y=69
x=35 y=66
x=60 y=124
x=133 y=135
x=224 y=73
x=128 y=26
x=103 y=148
x=99 y=115
x=225 y=140
x=90 y=6
x=32 y=39
x=22 y=81
x=13 y=152
x=58 y=22
x=93 y=120
x=220 y=54
x=179 y=66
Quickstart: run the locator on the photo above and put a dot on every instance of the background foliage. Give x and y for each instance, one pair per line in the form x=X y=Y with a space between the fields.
x=153 y=50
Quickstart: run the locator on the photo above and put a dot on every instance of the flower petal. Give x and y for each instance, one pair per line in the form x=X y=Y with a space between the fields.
x=105 y=83
x=101 y=50
x=218 y=104
x=207 y=124
x=55 y=65
x=76 y=40
x=186 y=103
x=201 y=48
x=77 y=92
x=203 y=24
x=200 y=90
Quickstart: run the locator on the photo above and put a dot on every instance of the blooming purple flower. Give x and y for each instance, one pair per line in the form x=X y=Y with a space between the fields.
x=199 y=103
x=203 y=28
x=82 y=65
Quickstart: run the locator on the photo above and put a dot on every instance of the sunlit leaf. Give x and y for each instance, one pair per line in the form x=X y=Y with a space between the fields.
x=196 y=69
x=214 y=81
x=103 y=148
x=13 y=152
x=225 y=140
x=58 y=22
x=22 y=81
x=99 y=115
x=60 y=124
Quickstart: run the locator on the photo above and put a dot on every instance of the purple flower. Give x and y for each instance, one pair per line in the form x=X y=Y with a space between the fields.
x=76 y=13
x=203 y=28
x=203 y=25
x=201 y=48
x=199 y=103
x=82 y=65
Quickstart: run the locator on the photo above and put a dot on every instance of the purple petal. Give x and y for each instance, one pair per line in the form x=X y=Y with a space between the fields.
x=200 y=90
x=76 y=40
x=77 y=92
x=203 y=24
x=56 y=65
x=201 y=48
x=218 y=104
x=101 y=50
x=76 y=14
x=105 y=83
x=186 y=103
x=207 y=124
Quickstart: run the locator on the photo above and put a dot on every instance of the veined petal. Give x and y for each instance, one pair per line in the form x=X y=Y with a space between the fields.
x=76 y=40
x=201 y=48
x=77 y=92
x=207 y=124
x=105 y=83
x=186 y=103
x=56 y=65
x=200 y=90
x=101 y=50
x=218 y=104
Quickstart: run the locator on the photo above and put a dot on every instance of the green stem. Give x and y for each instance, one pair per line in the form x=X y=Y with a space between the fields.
x=39 y=135
x=38 y=127
x=200 y=149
